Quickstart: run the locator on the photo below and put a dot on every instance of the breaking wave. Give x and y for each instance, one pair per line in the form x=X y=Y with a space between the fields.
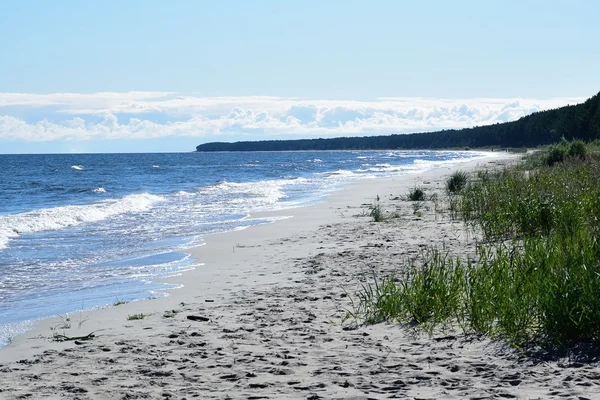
x=11 y=226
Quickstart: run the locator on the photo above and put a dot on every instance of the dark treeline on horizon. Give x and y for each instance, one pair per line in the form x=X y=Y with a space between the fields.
x=581 y=121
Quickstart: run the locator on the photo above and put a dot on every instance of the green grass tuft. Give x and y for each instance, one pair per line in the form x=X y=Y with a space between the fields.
x=136 y=317
x=416 y=194
x=457 y=181
x=377 y=212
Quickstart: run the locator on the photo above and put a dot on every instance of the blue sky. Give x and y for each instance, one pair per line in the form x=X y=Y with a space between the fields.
x=81 y=76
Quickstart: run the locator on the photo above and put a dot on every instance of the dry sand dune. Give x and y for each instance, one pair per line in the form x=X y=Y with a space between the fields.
x=262 y=319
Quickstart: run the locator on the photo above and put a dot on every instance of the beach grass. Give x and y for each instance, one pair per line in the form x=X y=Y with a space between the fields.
x=457 y=181
x=135 y=317
x=416 y=194
x=377 y=212
x=537 y=277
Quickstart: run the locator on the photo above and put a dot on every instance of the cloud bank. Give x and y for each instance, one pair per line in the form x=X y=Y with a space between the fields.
x=146 y=115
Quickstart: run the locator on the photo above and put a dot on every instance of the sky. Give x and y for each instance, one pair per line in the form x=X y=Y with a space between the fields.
x=145 y=76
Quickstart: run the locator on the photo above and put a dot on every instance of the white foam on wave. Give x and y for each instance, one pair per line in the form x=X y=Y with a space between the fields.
x=340 y=173
x=182 y=193
x=386 y=168
x=77 y=167
x=251 y=194
x=268 y=191
x=156 y=166
x=420 y=165
x=46 y=219
x=9 y=331
x=99 y=190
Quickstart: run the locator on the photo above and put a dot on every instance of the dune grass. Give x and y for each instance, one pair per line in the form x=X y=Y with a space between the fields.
x=564 y=198
x=416 y=194
x=537 y=279
x=376 y=212
x=135 y=317
x=457 y=181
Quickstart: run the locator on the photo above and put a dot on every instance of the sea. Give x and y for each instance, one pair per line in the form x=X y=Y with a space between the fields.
x=82 y=231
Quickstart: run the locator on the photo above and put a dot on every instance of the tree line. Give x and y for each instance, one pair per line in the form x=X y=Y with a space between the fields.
x=581 y=121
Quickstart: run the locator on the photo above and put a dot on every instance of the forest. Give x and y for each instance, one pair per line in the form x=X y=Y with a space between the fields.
x=580 y=121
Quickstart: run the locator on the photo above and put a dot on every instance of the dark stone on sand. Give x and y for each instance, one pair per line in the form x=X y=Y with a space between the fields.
x=448 y=337
x=197 y=318
x=258 y=385
x=230 y=377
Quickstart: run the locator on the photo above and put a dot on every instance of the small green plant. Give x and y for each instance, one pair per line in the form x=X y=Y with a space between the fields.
x=136 y=317
x=377 y=212
x=416 y=194
x=119 y=302
x=457 y=181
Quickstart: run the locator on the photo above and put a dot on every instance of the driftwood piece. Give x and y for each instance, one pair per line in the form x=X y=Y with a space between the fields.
x=64 y=338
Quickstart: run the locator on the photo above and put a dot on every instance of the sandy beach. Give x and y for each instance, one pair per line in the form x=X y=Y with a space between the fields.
x=263 y=318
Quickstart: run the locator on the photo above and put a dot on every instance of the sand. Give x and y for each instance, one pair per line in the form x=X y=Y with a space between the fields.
x=263 y=318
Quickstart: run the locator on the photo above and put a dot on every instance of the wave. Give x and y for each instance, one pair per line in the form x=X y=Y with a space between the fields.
x=99 y=190
x=340 y=173
x=249 y=194
x=387 y=168
x=183 y=193
x=77 y=167
x=420 y=165
x=269 y=191
x=443 y=158
x=47 y=219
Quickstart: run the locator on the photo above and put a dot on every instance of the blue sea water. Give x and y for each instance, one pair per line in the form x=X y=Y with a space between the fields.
x=79 y=231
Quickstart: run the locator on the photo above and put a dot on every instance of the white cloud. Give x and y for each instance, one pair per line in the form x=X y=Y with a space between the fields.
x=83 y=100
x=142 y=115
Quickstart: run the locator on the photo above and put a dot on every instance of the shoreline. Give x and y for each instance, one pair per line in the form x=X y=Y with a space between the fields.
x=43 y=325
x=215 y=247
x=264 y=318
